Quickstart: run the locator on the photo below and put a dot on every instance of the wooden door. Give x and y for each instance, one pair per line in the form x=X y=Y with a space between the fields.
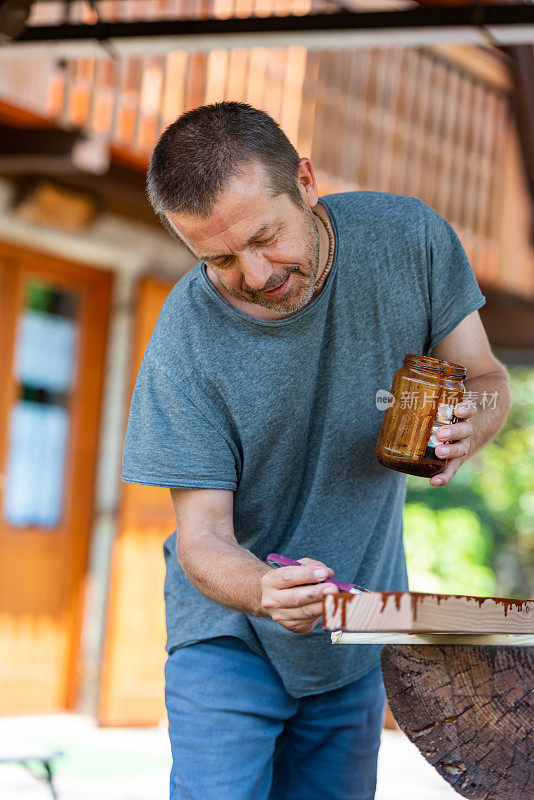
x=131 y=690
x=53 y=330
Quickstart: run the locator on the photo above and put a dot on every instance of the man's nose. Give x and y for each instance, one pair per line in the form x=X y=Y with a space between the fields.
x=256 y=270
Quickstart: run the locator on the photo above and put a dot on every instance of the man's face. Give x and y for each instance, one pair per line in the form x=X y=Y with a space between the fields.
x=254 y=242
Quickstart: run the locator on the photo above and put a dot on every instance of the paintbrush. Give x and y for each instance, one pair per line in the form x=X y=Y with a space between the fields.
x=283 y=561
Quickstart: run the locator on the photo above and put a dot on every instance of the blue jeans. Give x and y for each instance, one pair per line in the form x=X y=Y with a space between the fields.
x=236 y=734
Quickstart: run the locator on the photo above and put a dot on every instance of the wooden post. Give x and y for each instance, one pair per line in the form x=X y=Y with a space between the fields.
x=470 y=711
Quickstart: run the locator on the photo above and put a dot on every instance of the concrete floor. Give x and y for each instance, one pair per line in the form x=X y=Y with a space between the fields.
x=133 y=763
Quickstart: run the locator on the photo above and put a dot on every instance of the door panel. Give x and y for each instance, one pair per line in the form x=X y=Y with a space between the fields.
x=53 y=330
x=131 y=691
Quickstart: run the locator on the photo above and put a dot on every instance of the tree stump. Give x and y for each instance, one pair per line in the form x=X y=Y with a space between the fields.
x=470 y=711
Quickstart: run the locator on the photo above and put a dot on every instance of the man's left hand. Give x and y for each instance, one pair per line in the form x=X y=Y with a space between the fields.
x=459 y=435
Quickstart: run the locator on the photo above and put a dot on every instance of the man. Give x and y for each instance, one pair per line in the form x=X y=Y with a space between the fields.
x=255 y=404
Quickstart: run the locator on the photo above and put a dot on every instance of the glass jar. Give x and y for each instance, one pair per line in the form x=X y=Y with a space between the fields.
x=425 y=391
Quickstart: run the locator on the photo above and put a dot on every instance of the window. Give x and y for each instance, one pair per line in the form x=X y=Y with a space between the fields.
x=45 y=368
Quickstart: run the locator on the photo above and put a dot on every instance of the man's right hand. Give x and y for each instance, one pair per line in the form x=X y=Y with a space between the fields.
x=292 y=596
x=230 y=574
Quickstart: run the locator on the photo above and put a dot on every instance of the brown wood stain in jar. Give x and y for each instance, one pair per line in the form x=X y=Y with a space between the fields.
x=425 y=391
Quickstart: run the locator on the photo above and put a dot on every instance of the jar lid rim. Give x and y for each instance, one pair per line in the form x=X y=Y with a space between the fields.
x=436 y=363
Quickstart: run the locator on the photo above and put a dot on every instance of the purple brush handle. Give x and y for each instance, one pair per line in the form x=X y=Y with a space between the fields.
x=283 y=561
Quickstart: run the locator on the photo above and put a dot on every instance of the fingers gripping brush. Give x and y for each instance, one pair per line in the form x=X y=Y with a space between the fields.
x=281 y=561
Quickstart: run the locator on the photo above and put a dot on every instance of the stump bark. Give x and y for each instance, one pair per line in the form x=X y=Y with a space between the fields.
x=470 y=711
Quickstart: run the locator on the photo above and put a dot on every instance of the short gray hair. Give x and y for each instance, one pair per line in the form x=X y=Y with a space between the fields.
x=196 y=156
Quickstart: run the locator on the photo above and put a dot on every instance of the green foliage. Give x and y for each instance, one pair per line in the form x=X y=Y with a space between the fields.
x=447 y=551
x=476 y=535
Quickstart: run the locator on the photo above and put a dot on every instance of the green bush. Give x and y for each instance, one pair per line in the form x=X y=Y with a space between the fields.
x=447 y=551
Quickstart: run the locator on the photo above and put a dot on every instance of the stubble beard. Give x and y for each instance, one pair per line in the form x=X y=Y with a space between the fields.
x=281 y=306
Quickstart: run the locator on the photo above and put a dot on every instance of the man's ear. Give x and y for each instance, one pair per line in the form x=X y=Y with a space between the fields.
x=307 y=183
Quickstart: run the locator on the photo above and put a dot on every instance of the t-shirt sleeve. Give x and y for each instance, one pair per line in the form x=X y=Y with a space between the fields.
x=170 y=441
x=453 y=287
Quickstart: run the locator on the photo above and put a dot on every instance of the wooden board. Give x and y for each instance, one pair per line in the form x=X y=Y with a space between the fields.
x=414 y=612
x=378 y=637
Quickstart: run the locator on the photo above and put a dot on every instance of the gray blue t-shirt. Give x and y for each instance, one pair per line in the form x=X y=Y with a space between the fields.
x=283 y=413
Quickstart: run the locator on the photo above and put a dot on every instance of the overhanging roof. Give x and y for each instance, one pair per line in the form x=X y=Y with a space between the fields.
x=475 y=24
